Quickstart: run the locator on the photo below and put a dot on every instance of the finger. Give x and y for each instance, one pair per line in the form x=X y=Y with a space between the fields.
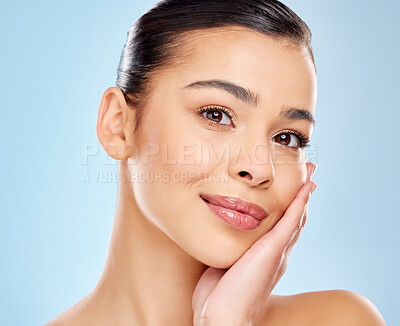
x=286 y=256
x=296 y=236
x=288 y=251
x=302 y=216
x=311 y=167
x=282 y=233
x=304 y=220
x=254 y=273
x=286 y=235
x=298 y=232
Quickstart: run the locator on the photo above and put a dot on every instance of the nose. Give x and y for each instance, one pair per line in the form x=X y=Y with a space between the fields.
x=253 y=165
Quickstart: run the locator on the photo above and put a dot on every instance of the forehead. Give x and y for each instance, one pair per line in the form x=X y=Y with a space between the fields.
x=274 y=70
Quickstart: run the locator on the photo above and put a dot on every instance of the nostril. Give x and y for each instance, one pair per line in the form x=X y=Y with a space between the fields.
x=244 y=173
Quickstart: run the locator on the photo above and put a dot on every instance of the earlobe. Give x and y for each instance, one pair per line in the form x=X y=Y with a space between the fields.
x=112 y=123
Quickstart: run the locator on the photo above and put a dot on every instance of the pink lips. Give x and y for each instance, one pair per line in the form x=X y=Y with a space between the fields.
x=235 y=211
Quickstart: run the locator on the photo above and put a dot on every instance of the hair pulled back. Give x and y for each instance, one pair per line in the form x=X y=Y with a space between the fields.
x=154 y=40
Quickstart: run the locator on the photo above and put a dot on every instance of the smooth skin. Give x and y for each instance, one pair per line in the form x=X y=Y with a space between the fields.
x=165 y=238
x=237 y=296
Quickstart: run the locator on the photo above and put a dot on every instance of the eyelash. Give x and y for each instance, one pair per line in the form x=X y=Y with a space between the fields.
x=211 y=108
x=303 y=140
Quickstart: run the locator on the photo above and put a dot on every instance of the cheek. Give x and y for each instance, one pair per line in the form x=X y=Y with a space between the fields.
x=291 y=178
x=288 y=181
x=181 y=151
x=166 y=167
x=292 y=181
x=167 y=199
x=184 y=218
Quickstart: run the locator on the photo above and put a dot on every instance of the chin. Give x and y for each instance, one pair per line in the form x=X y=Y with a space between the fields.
x=221 y=263
x=220 y=259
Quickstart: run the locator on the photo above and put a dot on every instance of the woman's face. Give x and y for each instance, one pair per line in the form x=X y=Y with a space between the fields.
x=249 y=150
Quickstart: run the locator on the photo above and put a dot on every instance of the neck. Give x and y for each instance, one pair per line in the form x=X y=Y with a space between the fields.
x=148 y=279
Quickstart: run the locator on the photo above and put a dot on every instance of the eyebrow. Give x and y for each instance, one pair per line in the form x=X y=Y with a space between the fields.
x=249 y=97
x=245 y=95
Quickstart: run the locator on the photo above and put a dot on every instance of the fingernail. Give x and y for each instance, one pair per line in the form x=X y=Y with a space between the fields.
x=314 y=186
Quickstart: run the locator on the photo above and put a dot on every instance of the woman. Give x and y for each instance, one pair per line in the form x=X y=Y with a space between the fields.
x=213 y=107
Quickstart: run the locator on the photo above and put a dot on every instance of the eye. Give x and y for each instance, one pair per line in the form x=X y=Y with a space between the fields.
x=217 y=115
x=293 y=139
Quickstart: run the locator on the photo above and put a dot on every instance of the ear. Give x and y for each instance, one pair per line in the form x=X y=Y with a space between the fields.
x=115 y=123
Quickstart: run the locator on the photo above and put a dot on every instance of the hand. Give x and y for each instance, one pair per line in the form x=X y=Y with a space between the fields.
x=238 y=295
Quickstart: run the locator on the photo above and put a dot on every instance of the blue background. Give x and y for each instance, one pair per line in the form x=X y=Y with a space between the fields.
x=57 y=58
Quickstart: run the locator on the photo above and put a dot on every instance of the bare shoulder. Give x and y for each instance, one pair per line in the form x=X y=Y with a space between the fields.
x=65 y=318
x=75 y=315
x=322 y=308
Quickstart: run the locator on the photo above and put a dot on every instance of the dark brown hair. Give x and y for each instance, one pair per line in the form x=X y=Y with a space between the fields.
x=156 y=39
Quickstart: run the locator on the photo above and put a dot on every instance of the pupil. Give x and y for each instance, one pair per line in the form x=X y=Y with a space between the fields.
x=216 y=115
x=285 y=139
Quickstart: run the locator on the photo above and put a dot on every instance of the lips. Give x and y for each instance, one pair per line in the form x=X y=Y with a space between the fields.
x=236 y=204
